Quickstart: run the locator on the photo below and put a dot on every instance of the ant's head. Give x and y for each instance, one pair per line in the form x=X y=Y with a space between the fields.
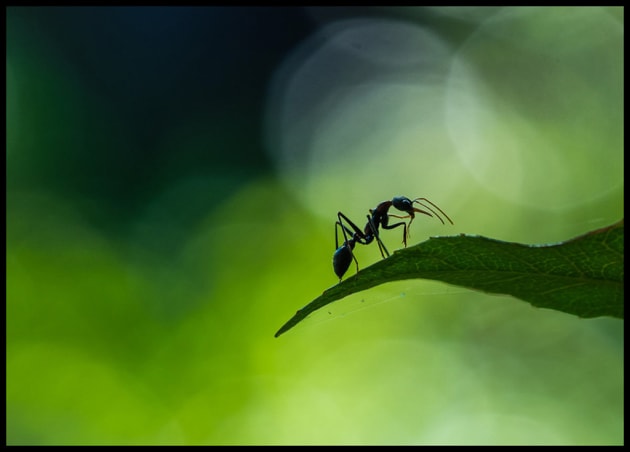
x=403 y=204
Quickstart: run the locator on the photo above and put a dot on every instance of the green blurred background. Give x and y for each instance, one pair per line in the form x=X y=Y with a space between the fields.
x=173 y=178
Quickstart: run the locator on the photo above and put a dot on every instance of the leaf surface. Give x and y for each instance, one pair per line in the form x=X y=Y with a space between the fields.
x=581 y=276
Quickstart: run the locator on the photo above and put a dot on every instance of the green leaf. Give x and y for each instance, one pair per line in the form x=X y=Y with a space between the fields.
x=582 y=276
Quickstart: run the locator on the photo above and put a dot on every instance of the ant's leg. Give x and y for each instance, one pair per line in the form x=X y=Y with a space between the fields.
x=381 y=245
x=344 y=229
x=404 y=225
x=356 y=262
x=341 y=217
x=347 y=243
x=407 y=234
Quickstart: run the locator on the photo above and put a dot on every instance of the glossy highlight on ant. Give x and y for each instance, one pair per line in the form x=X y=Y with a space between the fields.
x=378 y=217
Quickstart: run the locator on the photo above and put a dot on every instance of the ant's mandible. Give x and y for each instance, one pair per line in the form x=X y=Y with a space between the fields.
x=378 y=216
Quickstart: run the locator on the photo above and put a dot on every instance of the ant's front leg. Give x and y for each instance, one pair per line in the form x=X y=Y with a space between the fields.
x=408 y=227
x=405 y=229
x=403 y=224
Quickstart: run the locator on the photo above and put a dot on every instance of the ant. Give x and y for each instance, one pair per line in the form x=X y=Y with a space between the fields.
x=377 y=217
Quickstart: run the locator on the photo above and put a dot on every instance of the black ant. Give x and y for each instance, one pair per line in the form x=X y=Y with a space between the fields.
x=377 y=217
